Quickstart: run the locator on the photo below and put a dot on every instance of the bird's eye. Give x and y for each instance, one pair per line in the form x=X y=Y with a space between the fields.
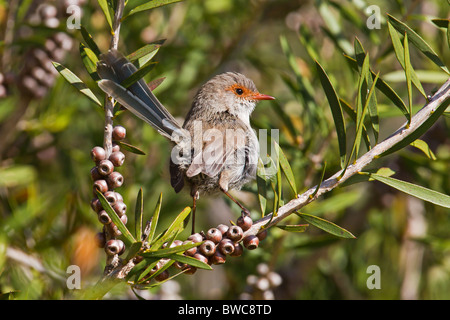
x=239 y=91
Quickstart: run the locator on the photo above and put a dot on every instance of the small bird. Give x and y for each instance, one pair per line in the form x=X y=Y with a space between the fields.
x=216 y=149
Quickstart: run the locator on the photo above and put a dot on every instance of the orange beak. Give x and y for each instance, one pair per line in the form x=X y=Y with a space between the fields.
x=260 y=96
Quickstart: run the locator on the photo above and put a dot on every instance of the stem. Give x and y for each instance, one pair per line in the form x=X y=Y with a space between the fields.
x=109 y=102
x=112 y=261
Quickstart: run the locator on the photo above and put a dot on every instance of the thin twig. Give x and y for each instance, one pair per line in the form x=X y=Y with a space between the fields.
x=112 y=261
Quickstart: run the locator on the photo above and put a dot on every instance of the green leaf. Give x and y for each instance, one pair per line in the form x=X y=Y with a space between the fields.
x=336 y=111
x=400 y=54
x=434 y=116
x=107 y=11
x=138 y=215
x=90 y=61
x=423 y=146
x=384 y=88
x=420 y=192
x=293 y=228
x=262 y=186
x=408 y=69
x=326 y=226
x=155 y=218
x=149 y=5
x=372 y=107
x=139 y=74
x=76 y=82
x=115 y=218
x=163 y=253
x=130 y=148
x=285 y=166
x=190 y=261
x=90 y=41
x=418 y=42
x=352 y=114
x=174 y=228
x=146 y=53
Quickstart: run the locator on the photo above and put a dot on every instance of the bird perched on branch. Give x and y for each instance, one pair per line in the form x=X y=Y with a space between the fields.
x=216 y=150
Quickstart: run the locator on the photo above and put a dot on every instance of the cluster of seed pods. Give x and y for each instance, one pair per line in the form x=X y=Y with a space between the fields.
x=217 y=244
x=106 y=180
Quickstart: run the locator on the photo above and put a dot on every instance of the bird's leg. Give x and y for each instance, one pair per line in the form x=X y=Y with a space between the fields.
x=195 y=196
x=245 y=211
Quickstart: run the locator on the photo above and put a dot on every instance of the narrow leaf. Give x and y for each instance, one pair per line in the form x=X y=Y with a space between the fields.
x=420 y=192
x=163 y=253
x=400 y=54
x=287 y=170
x=423 y=146
x=384 y=88
x=293 y=228
x=155 y=218
x=89 y=41
x=327 y=226
x=107 y=12
x=138 y=215
x=408 y=68
x=190 y=261
x=115 y=218
x=336 y=111
x=149 y=5
x=320 y=182
x=175 y=227
x=76 y=82
x=90 y=61
x=418 y=42
x=262 y=186
x=130 y=148
x=146 y=53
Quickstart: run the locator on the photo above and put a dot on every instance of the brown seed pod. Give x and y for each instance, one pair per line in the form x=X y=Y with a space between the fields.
x=111 y=197
x=190 y=269
x=114 y=230
x=118 y=196
x=114 y=246
x=251 y=242
x=100 y=185
x=124 y=219
x=105 y=167
x=196 y=237
x=200 y=257
x=95 y=175
x=96 y=205
x=222 y=228
x=98 y=154
x=235 y=233
x=245 y=222
x=238 y=250
x=217 y=258
x=214 y=235
x=103 y=217
x=262 y=234
x=115 y=147
x=120 y=208
x=115 y=180
x=226 y=246
x=191 y=251
x=117 y=158
x=207 y=248
x=119 y=133
x=162 y=276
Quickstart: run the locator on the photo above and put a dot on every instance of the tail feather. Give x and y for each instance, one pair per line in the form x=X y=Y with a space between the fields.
x=113 y=68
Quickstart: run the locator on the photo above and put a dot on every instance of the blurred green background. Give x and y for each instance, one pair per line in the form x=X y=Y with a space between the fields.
x=48 y=130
